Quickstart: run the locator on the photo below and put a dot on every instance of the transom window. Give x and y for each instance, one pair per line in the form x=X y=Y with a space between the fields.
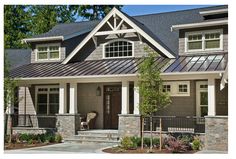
x=48 y=52
x=47 y=99
x=120 y=48
x=167 y=88
x=183 y=88
x=204 y=40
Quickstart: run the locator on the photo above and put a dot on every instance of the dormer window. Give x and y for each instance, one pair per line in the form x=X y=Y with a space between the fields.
x=48 y=52
x=204 y=40
x=118 y=49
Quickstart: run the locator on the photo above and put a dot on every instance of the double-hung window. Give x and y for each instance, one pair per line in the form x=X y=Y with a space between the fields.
x=204 y=40
x=177 y=88
x=48 y=52
x=47 y=99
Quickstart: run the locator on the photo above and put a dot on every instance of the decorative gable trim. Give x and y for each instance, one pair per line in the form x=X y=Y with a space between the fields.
x=115 y=30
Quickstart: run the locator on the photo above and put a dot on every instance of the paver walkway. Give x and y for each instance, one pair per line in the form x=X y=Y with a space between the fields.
x=63 y=148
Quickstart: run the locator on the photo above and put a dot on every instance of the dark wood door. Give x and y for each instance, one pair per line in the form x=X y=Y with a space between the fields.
x=112 y=106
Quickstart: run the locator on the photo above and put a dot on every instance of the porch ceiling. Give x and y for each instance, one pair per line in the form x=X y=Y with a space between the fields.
x=127 y=66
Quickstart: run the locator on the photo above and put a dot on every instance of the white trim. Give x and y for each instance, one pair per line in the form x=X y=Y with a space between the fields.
x=73 y=98
x=48 y=92
x=224 y=79
x=198 y=91
x=203 y=32
x=212 y=12
x=200 y=24
x=114 y=40
x=125 y=97
x=115 y=32
x=211 y=97
x=136 y=98
x=43 y=39
x=47 y=45
x=111 y=13
x=62 y=98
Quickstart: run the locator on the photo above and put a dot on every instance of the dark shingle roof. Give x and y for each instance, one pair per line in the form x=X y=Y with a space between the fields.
x=156 y=25
x=18 y=57
x=198 y=63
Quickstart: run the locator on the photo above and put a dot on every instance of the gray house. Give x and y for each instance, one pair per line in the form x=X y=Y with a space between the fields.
x=81 y=67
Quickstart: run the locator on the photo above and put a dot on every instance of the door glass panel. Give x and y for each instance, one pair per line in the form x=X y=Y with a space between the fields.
x=53 y=103
x=42 y=103
x=204 y=111
x=108 y=103
x=203 y=98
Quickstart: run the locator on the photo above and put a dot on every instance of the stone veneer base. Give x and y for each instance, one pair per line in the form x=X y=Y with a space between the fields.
x=216 y=133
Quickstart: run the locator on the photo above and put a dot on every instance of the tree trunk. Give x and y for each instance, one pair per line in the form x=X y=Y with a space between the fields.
x=151 y=133
x=10 y=127
x=160 y=135
x=142 y=130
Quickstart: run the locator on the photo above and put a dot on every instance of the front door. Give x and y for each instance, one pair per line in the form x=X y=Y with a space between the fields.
x=202 y=98
x=112 y=106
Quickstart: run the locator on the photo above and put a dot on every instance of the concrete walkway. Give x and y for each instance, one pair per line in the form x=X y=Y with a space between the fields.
x=211 y=152
x=63 y=148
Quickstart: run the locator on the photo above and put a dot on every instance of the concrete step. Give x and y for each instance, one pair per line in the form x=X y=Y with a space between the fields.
x=97 y=136
x=78 y=140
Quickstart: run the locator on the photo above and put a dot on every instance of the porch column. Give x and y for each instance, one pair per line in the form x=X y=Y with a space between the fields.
x=125 y=97
x=73 y=98
x=136 y=98
x=62 y=98
x=211 y=97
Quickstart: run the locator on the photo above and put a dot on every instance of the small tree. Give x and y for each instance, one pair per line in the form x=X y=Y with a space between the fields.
x=153 y=99
x=9 y=91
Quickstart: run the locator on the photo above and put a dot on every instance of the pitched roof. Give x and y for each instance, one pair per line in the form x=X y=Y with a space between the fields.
x=198 y=63
x=158 y=26
x=18 y=57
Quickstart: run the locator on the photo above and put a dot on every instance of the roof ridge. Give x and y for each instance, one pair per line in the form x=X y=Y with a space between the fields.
x=181 y=10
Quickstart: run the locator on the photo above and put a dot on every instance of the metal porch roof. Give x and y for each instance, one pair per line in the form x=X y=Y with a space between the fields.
x=200 y=63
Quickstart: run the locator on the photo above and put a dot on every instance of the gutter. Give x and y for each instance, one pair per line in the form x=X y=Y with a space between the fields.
x=42 y=39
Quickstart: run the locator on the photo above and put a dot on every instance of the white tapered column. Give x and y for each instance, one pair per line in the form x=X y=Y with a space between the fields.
x=62 y=98
x=73 y=98
x=125 y=97
x=136 y=98
x=211 y=97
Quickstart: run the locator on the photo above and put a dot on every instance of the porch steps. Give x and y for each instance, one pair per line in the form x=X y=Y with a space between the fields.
x=93 y=136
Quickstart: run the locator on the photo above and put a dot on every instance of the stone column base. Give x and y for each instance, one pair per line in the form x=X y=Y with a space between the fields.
x=68 y=124
x=216 y=133
x=129 y=125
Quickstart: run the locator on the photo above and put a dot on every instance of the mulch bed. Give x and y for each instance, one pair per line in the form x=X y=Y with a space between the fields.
x=13 y=146
x=117 y=150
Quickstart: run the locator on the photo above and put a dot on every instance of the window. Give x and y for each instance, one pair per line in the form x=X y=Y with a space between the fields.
x=47 y=99
x=120 y=48
x=167 y=88
x=183 y=88
x=204 y=40
x=177 y=88
x=48 y=52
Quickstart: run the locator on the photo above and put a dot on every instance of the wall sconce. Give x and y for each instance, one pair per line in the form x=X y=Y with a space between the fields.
x=98 y=91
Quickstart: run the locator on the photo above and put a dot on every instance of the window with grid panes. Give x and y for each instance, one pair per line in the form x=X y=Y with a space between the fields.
x=119 y=49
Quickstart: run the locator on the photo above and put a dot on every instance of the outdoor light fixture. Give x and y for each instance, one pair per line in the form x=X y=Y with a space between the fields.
x=98 y=91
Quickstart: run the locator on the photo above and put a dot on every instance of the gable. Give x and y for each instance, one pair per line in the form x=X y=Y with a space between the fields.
x=119 y=24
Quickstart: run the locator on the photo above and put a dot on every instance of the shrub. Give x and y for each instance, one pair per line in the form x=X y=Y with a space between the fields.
x=24 y=137
x=15 y=138
x=156 y=142
x=196 y=144
x=175 y=145
x=126 y=143
x=146 y=141
x=136 y=140
x=186 y=139
x=30 y=141
x=6 y=138
x=58 y=138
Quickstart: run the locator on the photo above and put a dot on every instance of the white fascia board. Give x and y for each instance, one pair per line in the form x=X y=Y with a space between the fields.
x=111 y=13
x=202 y=24
x=199 y=74
x=212 y=12
x=89 y=36
x=43 y=39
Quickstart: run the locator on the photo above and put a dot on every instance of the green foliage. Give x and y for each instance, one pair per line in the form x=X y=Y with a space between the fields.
x=58 y=138
x=93 y=12
x=24 y=137
x=136 y=140
x=150 y=86
x=127 y=143
x=16 y=25
x=196 y=144
x=175 y=145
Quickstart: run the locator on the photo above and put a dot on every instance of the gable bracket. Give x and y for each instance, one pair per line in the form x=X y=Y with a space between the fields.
x=118 y=26
x=110 y=25
x=95 y=41
x=140 y=38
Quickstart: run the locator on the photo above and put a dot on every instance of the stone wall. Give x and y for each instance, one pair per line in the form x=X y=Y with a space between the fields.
x=216 y=133
x=25 y=130
x=68 y=124
x=129 y=125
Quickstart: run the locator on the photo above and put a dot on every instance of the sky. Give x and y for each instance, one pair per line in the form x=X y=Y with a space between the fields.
x=133 y=10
